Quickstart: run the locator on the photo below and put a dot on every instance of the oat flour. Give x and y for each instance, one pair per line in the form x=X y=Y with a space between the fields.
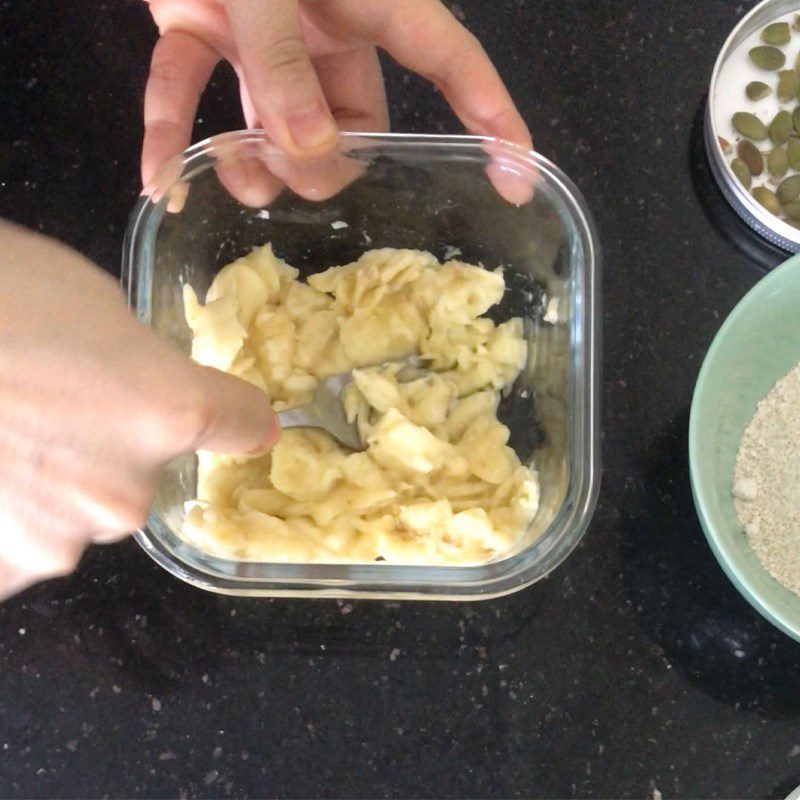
x=766 y=485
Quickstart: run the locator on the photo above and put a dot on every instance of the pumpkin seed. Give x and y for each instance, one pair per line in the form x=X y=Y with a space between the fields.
x=777 y=33
x=757 y=90
x=788 y=84
x=751 y=156
x=789 y=189
x=725 y=146
x=793 y=153
x=777 y=162
x=796 y=119
x=796 y=23
x=781 y=127
x=792 y=210
x=766 y=57
x=767 y=199
x=741 y=172
x=749 y=125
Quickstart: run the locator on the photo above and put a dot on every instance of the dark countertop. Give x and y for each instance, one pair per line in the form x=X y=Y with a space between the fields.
x=635 y=666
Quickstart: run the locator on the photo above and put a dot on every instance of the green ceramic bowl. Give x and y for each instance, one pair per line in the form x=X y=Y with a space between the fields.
x=758 y=344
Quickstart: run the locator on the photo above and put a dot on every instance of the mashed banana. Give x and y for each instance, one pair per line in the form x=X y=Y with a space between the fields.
x=437 y=483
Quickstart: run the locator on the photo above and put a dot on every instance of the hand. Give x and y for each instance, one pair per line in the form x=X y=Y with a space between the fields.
x=308 y=68
x=92 y=405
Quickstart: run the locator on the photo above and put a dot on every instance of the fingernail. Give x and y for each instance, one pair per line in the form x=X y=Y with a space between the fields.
x=270 y=440
x=312 y=130
x=177 y=197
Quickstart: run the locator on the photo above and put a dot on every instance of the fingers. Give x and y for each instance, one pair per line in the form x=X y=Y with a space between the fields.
x=236 y=418
x=13 y=579
x=426 y=38
x=281 y=80
x=248 y=108
x=314 y=180
x=249 y=180
x=352 y=82
x=353 y=85
x=179 y=71
x=33 y=550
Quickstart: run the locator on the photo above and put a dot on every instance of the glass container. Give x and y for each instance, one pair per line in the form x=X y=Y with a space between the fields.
x=483 y=200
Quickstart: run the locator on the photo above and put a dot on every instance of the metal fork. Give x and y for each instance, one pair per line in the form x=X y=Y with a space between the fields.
x=326 y=410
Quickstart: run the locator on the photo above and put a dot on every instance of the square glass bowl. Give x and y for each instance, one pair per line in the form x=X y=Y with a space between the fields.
x=446 y=194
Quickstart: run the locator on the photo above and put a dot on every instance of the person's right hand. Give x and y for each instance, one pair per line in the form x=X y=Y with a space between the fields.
x=92 y=406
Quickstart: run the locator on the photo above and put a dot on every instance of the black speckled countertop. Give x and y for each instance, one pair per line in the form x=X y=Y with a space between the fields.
x=635 y=667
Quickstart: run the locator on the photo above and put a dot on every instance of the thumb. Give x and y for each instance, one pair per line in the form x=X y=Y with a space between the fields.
x=238 y=417
x=280 y=77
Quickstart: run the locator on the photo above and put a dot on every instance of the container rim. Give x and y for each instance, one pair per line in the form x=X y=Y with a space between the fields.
x=390 y=581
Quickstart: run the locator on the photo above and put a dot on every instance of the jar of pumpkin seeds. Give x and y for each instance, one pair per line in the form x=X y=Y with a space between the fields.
x=752 y=126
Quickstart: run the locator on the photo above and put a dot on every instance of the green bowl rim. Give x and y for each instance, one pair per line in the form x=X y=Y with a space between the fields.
x=726 y=558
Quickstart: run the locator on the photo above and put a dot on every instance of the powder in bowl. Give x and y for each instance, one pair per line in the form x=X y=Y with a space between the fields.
x=766 y=484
